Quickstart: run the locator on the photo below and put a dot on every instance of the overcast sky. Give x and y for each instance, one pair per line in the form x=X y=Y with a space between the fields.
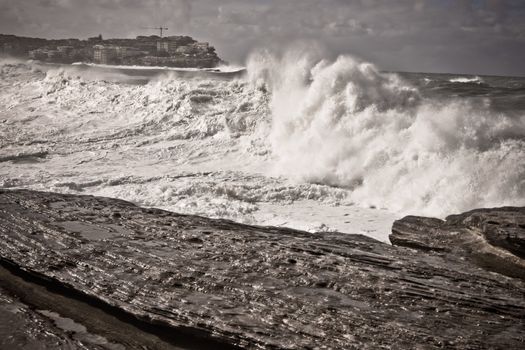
x=461 y=36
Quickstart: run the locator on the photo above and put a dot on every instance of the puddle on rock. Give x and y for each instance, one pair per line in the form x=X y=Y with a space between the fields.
x=88 y=231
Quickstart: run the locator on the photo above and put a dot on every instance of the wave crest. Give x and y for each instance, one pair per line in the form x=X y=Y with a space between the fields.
x=339 y=122
x=346 y=124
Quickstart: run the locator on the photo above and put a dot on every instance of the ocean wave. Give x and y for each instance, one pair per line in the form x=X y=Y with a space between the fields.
x=219 y=69
x=340 y=130
x=476 y=80
x=344 y=123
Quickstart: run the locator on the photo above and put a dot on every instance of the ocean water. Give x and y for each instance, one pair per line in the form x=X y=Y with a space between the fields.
x=294 y=140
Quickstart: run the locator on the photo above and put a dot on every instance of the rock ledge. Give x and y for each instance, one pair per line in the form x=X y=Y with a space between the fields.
x=262 y=287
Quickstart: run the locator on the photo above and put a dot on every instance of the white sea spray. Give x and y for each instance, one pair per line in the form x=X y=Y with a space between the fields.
x=344 y=123
x=299 y=141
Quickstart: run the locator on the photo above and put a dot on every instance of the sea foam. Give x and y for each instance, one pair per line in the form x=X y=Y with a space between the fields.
x=296 y=128
x=344 y=123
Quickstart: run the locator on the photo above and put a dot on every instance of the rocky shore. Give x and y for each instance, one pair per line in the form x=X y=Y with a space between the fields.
x=133 y=277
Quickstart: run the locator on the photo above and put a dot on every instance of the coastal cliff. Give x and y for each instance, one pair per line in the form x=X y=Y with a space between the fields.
x=206 y=283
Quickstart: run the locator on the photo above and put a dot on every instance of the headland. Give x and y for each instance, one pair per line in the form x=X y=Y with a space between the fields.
x=153 y=50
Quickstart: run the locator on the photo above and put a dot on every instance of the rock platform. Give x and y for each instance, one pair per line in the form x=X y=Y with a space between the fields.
x=151 y=278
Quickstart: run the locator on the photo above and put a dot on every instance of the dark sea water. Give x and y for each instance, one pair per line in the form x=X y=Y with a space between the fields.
x=506 y=94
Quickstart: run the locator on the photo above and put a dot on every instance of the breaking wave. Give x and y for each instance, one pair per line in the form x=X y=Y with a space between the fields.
x=343 y=131
x=476 y=80
x=344 y=123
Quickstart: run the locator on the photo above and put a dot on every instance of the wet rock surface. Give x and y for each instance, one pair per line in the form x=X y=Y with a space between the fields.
x=490 y=238
x=253 y=287
x=23 y=328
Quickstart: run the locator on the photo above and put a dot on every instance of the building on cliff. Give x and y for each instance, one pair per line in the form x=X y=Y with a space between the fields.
x=170 y=44
x=109 y=54
x=124 y=52
x=104 y=54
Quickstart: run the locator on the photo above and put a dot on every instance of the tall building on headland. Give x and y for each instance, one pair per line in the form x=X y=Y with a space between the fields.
x=169 y=45
x=104 y=54
x=124 y=52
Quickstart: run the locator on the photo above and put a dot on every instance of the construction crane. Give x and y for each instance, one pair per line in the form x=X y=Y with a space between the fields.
x=161 y=29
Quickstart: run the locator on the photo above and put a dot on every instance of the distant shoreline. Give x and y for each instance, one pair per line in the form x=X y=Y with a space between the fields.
x=148 y=51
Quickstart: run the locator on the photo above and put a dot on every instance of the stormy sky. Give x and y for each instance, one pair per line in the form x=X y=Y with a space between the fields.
x=456 y=36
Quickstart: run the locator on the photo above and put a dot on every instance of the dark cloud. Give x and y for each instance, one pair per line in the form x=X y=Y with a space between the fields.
x=471 y=36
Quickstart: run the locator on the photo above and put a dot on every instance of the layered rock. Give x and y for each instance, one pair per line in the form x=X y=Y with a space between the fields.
x=490 y=238
x=233 y=285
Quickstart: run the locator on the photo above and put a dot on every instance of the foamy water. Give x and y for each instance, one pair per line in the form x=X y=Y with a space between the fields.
x=466 y=80
x=345 y=124
x=298 y=141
